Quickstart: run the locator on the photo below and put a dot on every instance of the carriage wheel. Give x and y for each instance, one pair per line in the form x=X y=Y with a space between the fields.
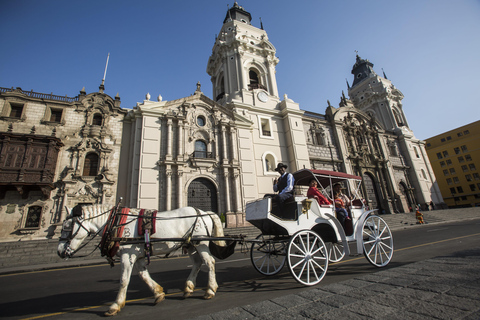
x=336 y=251
x=307 y=257
x=268 y=256
x=377 y=241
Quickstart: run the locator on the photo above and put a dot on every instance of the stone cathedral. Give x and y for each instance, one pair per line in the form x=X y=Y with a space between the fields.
x=219 y=153
x=215 y=153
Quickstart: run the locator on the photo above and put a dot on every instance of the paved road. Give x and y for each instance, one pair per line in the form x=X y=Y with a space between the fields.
x=411 y=291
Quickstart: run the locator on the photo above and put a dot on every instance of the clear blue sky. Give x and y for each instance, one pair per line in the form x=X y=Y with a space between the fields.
x=429 y=49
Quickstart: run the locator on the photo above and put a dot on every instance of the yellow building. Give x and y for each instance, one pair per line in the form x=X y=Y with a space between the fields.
x=455 y=159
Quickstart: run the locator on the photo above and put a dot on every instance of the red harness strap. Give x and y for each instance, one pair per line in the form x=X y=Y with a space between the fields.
x=119 y=234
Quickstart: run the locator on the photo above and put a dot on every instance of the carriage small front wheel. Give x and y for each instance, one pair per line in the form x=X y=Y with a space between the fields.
x=377 y=241
x=336 y=251
x=307 y=257
x=268 y=255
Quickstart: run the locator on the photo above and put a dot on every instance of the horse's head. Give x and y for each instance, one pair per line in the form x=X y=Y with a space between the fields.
x=74 y=230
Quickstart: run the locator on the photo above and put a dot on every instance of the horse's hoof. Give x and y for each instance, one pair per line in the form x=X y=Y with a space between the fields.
x=160 y=298
x=208 y=296
x=187 y=295
x=111 y=313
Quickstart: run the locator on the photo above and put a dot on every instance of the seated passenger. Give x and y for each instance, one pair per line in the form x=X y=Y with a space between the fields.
x=313 y=192
x=342 y=213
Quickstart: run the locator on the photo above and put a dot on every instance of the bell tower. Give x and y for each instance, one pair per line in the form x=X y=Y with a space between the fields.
x=377 y=96
x=243 y=61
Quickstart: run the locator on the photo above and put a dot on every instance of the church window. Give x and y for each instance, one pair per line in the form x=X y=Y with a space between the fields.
x=201 y=121
x=200 y=149
x=16 y=110
x=90 y=166
x=97 y=119
x=265 y=127
x=56 y=115
x=33 y=217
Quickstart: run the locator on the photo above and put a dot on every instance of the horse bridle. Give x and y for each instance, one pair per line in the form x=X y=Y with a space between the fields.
x=71 y=235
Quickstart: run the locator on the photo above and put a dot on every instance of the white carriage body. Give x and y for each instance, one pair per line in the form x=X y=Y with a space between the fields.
x=319 y=218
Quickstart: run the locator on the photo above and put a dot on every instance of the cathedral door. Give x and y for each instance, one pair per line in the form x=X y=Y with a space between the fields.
x=371 y=191
x=202 y=194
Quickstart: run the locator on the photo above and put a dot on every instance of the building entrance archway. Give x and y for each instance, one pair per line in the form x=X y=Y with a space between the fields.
x=371 y=191
x=202 y=194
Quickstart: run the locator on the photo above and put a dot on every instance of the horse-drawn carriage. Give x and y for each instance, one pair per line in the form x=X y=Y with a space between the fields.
x=302 y=233
x=307 y=236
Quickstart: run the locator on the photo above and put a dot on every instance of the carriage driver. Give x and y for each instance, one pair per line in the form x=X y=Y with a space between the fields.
x=284 y=184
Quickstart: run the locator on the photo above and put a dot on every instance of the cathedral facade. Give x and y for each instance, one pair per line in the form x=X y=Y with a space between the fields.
x=219 y=153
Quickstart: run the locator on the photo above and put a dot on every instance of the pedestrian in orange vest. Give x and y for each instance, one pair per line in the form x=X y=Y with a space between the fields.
x=419 y=217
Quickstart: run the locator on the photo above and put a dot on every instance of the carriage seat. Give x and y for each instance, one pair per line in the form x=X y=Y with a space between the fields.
x=287 y=211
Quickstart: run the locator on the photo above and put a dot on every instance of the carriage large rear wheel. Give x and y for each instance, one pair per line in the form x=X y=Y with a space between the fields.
x=307 y=257
x=377 y=241
x=268 y=255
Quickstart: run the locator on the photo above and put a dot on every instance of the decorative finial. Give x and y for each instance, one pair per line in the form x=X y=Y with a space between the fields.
x=198 y=87
x=147 y=96
x=159 y=98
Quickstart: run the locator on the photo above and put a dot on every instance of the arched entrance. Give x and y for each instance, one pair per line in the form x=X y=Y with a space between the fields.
x=371 y=191
x=202 y=194
x=405 y=199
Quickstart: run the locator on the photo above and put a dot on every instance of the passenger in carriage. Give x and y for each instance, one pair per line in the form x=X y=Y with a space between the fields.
x=342 y=213
x=313 y=192
x=284 y=185
x=337 y=190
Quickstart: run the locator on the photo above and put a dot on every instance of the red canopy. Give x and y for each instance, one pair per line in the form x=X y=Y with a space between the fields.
x=324 y=177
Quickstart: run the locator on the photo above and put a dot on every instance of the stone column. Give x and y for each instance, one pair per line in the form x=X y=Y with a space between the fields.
x=233 y=142
x=180 y=190
x=181 y=127
x=224 y=144
x=169 y=139
x=168 y=195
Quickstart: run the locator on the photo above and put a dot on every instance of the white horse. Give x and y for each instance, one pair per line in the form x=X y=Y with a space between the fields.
x=176 y=224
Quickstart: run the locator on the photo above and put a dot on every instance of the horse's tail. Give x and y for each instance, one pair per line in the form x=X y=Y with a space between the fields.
x=217 y=231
